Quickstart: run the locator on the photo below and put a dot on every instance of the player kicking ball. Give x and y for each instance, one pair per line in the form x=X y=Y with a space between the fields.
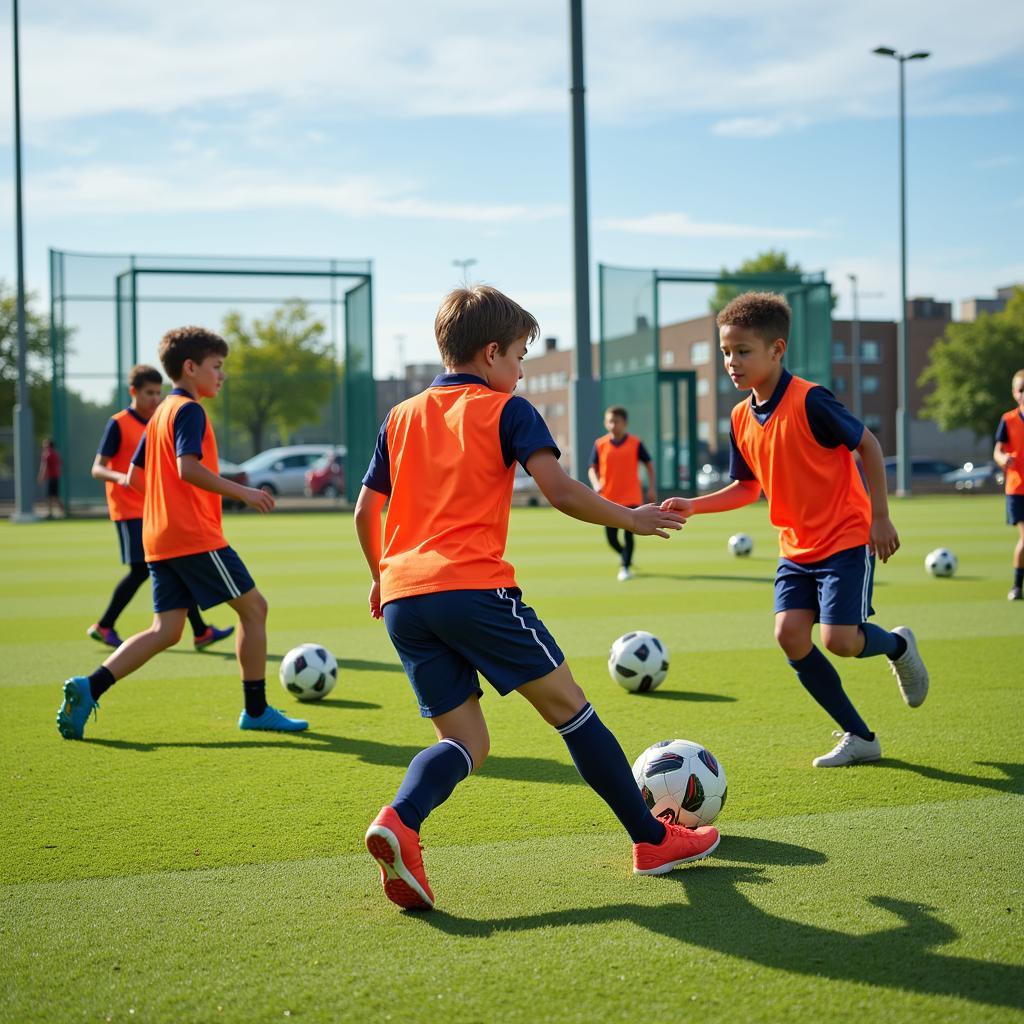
x=445 y=464
x=795 y=441
x=188 y=557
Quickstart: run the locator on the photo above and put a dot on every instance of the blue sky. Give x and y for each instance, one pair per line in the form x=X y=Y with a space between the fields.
x=415 y=134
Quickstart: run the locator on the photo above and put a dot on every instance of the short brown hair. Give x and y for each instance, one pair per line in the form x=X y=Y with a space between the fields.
x=470 y=318
x=195 y=343
x=617 y=410
x=765 y=313
x=144 y=374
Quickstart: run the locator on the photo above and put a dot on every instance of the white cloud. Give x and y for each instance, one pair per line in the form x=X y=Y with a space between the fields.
x=682 y=225
x=989 y=163
x=755 y=127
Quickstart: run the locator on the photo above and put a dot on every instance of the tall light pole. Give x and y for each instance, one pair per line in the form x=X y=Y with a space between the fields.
x=464 y=265
x=902 y=355
x=24 y=470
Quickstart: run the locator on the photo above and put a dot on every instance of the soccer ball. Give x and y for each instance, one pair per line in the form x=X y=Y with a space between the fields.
x=941 y=562
x=309 y=672
x=682 y=783
x=741 y=544
x=638 y=662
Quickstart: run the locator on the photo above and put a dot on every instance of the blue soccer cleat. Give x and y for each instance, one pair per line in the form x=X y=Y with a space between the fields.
x=211 y=635
x=271 y=720
x=75 y=710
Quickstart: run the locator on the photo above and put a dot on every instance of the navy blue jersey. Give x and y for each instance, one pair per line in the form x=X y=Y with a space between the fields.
x=521 y=430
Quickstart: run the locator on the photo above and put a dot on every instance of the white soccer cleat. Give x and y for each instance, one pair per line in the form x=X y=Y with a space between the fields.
x=624 y=574
x=850 y=749
x=910 y=671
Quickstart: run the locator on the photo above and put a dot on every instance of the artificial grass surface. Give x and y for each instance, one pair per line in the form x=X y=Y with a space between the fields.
x=172 y=865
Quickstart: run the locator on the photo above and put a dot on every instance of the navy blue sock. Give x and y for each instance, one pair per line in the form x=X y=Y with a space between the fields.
x=255 y=691
x=821 y=681
x=600 y=760
x=1018 y=578
x=430 y=779
x=100 y=681
x=881 y=641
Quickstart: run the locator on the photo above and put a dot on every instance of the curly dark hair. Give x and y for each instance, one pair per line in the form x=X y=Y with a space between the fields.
x=765 y=313
x=195 y=343
x=144 y=374
x=471 y=318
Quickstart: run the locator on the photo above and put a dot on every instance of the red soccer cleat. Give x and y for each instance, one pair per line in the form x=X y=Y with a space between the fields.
x=680 y=846
x=396 y=848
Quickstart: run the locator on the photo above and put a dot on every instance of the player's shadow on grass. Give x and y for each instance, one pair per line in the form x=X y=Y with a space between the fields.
x=344 y=665
x=225 y=655
x=711 y=698
x=1012 y=782
x=518 y=769
x=718 y=916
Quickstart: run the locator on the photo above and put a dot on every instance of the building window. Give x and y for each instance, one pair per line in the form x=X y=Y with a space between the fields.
x=703 y=431
x=724 y=426
x=724 y=385
x=873 y=421
x=839 y=350
x=870 y=351
x=703 y=386
x=618 y=366
x=700 y=353
x=559 y=409
x=869 y=385
x=668 y=357
x=840 y=383
x=634 y=363
x=649 y=359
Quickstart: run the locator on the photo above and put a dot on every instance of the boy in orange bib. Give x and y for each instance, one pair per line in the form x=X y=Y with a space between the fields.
x=1009 y=455
x=614 y=463
x=793 y=440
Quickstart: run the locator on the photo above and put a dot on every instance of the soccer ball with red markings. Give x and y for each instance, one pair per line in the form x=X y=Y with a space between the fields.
x=682 y=782
x=638 y=661
x=309 y=672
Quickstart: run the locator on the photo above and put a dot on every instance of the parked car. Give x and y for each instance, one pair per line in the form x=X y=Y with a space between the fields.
x=984 y=477
x=326 y=477
x=232 y=471
x=925 y=474
x=283 y=470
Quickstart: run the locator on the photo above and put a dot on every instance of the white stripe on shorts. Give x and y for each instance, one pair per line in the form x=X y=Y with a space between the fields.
x=125 y=546
x=505 y=595
x=225 y=575
x=865 y=601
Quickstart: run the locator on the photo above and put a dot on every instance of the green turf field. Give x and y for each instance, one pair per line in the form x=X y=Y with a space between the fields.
x=171 y=868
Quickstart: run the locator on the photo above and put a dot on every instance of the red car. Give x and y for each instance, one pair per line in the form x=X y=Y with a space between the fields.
x=326 y=477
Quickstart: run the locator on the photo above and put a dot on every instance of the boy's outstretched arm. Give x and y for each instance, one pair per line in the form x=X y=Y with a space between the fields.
x=192 y=471
x=572 y=498
x=369 y=506
x=101 y=471
x=885 y=540
x=735 y=495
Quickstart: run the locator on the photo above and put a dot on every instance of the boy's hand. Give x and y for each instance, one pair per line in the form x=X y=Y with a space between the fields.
x=259 y=500
x=375 y=611
x=654 y=520
x=885 y=541
x=684 y=506
x=122 y=480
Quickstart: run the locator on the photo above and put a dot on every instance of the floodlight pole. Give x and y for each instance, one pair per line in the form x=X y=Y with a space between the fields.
x=24 y=467
x=584 y=393
x=903 y=470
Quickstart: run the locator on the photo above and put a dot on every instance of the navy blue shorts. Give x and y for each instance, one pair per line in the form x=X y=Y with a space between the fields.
x=837 y=589
x=1015 y=509
x=444 y=639
x=210 y=578
x=129 y=538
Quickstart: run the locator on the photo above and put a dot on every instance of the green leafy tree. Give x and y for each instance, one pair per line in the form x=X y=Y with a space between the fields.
x=280 y=373
x=37 y=336
x=969 y=370
x=770 y=262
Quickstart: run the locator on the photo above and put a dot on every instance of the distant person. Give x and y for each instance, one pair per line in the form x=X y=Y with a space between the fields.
x=795 y=441
x=445 y=464
x=183 y=540
x=49 y=472
x=1009 y=454
x=120 y=440
x=614 y=472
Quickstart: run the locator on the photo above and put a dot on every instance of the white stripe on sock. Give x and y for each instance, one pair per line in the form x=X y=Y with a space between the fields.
x=225 y=575
x=573 y=726
x=504 y=595
x=462 y=750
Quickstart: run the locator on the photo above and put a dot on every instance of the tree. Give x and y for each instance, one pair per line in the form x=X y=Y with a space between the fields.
x=770 y=262
x=969 y=370
x=281 y=371
x=37 y=336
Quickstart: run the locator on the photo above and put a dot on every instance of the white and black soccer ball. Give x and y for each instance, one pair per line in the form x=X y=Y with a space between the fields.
x=682 y=782
x=309 y=672
x=741 y=544
x=638 y=662
x=941 y=562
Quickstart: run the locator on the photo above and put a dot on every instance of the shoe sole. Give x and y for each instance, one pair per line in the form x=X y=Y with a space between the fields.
x=65 y=726
x=665 y=868
x=848 y=764
x=399 y=884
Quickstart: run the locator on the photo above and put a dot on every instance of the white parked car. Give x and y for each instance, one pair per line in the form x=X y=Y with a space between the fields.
x=283 y=470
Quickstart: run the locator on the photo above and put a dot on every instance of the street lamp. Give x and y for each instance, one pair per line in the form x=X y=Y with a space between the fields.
x=902 y=357
x=465 y=265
